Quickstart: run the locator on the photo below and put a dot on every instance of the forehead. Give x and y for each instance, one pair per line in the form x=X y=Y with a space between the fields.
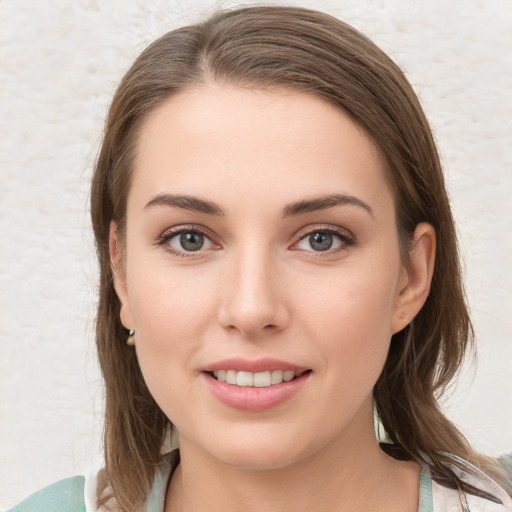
x=217 y=138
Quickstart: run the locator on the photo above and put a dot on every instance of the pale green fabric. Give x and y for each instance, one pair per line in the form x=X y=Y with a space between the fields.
x=506 y=462
x=426 y=503
x=63 y=496
x=156 y=498
x=68 y=495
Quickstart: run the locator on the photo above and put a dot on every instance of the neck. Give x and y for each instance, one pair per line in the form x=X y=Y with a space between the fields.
x=349 y=474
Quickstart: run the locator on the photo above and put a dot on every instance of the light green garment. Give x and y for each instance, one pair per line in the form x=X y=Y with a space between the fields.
x=63 y=496
x=68 y=495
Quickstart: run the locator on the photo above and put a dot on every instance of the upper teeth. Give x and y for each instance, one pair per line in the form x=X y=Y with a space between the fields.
x=258 y=380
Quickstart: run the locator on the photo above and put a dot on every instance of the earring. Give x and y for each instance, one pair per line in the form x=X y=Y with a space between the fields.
x=130 y=341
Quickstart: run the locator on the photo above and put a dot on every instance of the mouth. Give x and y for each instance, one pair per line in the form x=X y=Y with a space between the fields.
x=263 y=379
x=269 y=384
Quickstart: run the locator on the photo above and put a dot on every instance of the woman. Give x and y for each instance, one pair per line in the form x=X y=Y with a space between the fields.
x=278 y=262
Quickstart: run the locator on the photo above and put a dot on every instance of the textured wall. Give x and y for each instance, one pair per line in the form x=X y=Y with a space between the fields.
x=59 y=64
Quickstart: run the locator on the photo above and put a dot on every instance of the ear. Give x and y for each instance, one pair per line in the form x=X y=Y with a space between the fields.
x=119 y=276
x=415 y=278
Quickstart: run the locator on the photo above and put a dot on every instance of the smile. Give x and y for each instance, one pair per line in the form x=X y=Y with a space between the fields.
x=255 y=391
x=257 y=380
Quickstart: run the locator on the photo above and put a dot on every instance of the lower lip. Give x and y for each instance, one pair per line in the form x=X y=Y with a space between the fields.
x=248 y=398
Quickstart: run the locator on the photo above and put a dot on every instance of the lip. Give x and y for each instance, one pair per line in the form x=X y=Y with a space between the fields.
x=254 y=399
x=256 y=366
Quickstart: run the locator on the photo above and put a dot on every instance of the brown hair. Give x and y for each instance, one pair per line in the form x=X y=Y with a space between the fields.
x=268 y=47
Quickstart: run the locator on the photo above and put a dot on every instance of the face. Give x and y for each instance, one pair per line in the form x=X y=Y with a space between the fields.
x=262 y=272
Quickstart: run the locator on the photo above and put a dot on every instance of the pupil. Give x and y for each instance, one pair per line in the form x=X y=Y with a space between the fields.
x=321 y=241
x=191 y=241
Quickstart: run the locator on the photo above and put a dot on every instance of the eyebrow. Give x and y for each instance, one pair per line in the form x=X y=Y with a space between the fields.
x=303 y=206
x=186 y=203
x=323 y=203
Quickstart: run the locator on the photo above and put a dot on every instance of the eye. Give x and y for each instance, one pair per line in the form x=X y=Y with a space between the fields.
x=323 y=240
x=185 y=241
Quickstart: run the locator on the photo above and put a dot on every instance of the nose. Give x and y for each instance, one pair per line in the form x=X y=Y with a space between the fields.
x=252 y=295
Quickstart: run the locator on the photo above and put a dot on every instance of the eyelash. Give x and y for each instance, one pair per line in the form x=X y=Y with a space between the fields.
x=345 y=239
x=167 y=236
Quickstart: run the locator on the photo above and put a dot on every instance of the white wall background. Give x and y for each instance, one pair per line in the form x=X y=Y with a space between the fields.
x=59 y=64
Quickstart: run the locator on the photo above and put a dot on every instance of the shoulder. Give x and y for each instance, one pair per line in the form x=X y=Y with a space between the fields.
x=488 y=496
x=63 y=496
x=81 y=494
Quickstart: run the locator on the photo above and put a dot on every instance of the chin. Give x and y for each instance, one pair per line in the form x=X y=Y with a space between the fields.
x=257 y=460
x=262 y=451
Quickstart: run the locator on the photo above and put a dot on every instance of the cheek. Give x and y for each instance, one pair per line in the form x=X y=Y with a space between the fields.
x=351 y=321
x=165 y=299
x=171 y=315
x=171 y=311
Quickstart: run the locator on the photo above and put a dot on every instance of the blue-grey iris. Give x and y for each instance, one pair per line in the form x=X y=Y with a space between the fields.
x=192 y=241
x=321 y=241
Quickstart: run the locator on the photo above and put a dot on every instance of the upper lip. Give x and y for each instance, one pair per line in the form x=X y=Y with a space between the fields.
x=254 y=366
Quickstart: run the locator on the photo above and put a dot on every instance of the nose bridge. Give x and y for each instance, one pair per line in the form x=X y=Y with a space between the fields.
x=252 y=298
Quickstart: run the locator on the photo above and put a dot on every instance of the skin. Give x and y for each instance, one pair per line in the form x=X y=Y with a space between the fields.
x=259 y=288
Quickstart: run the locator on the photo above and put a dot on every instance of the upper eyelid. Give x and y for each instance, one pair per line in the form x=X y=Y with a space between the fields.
x=330 y=228
x=176 y=230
